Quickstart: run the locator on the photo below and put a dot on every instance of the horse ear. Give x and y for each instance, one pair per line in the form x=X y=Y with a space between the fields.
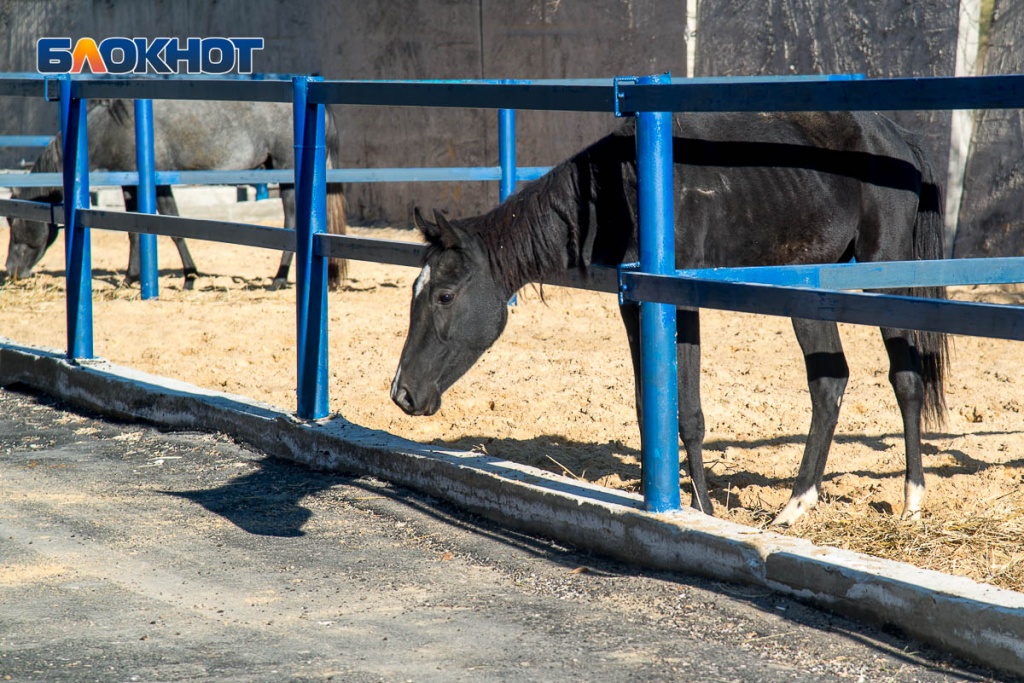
x=449 y=235
x=441 y=231
x=429 y=230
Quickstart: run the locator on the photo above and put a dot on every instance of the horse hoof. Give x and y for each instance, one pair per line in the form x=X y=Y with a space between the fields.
x=276 y=285
x=913 y=495
x=911 y=516
x=796 y=508
x=704 y=505
x=190 y=283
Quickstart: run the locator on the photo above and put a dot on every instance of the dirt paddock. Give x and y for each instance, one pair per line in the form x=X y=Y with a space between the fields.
x=556 y=392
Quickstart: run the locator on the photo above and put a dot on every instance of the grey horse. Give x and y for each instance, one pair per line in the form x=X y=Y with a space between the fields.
x=188 y=135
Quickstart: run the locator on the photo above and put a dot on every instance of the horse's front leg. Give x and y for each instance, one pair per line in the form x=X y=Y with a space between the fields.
x=691 y=414
x=165 y=205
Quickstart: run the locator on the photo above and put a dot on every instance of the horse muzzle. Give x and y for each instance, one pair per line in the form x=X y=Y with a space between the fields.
x=415 y=405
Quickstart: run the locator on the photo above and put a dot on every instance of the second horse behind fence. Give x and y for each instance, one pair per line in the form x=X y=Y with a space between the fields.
x=188 y=136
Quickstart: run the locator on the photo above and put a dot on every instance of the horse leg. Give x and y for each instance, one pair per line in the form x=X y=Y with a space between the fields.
x=131 y=203
x=165 y=205
x=288 y=201
x=908 y=385
x=691 y=416
x=827 y=374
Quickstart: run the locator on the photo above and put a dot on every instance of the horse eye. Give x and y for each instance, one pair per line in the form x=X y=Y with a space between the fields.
x=445 y=298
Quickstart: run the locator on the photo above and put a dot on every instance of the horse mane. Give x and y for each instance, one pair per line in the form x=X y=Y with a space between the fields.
x=550 y=224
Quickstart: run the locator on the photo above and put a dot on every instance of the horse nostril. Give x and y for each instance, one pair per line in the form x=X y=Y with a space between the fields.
x=402 y=399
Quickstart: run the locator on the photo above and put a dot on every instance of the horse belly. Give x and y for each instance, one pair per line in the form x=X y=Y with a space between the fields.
x=765 y=216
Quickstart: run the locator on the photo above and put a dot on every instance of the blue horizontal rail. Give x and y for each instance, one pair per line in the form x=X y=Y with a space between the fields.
x=190 y=228
x=25 y=140
x=760 y=93
x=345 y=175
x=33 y=211
x=861 y=308
x=876 y=275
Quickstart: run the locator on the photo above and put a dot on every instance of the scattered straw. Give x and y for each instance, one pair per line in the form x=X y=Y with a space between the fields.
x=980 y=541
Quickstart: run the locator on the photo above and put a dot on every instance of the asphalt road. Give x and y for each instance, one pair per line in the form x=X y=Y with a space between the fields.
x=131 y=554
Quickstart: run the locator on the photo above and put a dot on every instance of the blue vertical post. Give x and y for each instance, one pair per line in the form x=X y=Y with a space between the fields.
x=310 y=269
x=148 y=280
x=507 y=158
x=507 y=151
x=660 y=429
x=77 y=251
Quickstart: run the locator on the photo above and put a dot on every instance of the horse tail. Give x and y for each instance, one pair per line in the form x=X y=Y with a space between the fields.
x=337 y=269
x=929 y=231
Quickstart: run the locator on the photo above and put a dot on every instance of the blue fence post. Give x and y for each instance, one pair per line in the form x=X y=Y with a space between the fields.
x=77 y=251
x=507 y=151
x=148 y=274
x=507 y=160
x=660 y=429
x=310 y=269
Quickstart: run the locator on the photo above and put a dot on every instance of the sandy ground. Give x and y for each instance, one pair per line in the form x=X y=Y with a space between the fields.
x=556 y=392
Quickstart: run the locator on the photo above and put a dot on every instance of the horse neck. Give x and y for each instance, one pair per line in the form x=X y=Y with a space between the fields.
x=534 y=235
x=50 y=161
x=582 y=212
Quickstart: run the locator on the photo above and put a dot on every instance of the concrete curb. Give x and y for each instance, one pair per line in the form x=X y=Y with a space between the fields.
x=978 y=622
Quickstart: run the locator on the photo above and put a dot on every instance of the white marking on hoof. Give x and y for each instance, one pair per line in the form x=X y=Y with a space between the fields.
x=421 y=281
x=796 y=507
x=913 y=495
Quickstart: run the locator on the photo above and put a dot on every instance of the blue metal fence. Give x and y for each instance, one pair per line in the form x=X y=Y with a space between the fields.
x=801 y=291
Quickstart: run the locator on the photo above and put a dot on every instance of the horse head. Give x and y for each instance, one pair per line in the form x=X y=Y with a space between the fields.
x=458 y=310
x=29 y=240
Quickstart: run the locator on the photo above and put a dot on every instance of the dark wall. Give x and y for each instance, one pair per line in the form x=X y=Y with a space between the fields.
x=403 y=39
x=877 y=38
x=484 y=39
x=992 y=207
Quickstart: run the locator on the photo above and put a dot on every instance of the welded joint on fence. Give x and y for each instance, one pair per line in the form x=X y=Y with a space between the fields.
x=618 y=97
x=623 y=286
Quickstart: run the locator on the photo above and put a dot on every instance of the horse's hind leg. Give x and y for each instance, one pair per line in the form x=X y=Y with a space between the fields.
x=908 y=385
x=691 y=416
x=288 y=201
x=166 y=206
x=827 y=374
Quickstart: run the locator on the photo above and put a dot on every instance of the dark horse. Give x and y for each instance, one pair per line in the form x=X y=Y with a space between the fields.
x=188 y=136
x=749 y=190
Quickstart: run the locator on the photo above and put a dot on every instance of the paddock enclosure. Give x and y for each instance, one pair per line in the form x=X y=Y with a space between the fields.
x=534 y=398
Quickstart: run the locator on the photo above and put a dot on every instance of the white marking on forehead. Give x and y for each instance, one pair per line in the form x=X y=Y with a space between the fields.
x=421 y=281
